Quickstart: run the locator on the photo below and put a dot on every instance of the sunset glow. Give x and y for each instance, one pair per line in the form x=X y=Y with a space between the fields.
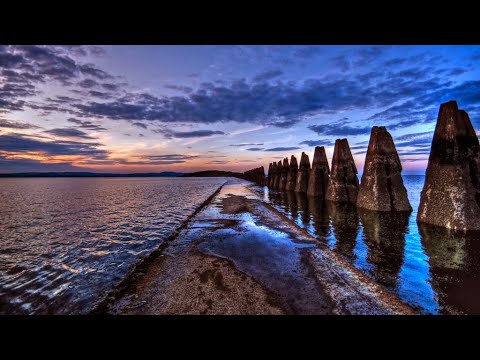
x=133 y=109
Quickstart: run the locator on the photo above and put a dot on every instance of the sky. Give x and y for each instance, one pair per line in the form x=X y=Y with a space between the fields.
x=130 y=109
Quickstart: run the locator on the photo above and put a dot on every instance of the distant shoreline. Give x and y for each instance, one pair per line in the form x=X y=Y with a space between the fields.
x=208 y=173
x=88 y=174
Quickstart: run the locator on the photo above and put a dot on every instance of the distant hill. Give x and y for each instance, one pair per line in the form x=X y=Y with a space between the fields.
x=91 y=174
x=213 y=173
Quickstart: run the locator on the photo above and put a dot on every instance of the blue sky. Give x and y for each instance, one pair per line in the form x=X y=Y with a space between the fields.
x=189 y=108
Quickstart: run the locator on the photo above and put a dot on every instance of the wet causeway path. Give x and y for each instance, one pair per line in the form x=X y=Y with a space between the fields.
x=239 y=255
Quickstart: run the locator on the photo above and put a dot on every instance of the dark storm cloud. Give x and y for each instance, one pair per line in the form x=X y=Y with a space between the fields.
x=88 y=125
x=255 y=149
x=283 y=148
x=140 y=125
x=339 y=130
x=317 y=142
x=246 y=144
x=267 y=75
x=69 y=132
x=16 y=125
x=188 y=134
x=21 y=143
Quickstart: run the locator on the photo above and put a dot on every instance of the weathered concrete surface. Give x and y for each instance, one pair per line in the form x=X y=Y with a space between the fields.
x=284 y=175
x=382 y=186
x=241 y=256
x=303 y=174
x=269 y=177
x=274 y=173
x=278 y=175
x=451 y=194
x=319 y=175
x=292 y=174
x=343 y=183
x=256 y=175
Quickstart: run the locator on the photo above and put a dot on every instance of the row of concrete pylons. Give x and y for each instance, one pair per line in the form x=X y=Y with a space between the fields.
x=451 y=194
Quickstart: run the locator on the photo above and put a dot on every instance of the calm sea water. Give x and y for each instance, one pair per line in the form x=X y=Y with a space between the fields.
x=434 y=271
x=64 y=242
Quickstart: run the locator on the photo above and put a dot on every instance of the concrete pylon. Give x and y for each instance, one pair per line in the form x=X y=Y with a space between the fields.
x=343 y=183
x=382 y=186
x=284 y=175
x=278 y=175
x=303 y=174
x=319 y=175
x=451 y=193
x=292 y=174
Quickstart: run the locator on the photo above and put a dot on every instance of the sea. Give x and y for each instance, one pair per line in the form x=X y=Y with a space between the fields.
x=66 y=242
x=433 y=270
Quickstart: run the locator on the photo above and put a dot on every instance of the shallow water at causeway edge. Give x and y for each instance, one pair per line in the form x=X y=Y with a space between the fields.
x=65 y=242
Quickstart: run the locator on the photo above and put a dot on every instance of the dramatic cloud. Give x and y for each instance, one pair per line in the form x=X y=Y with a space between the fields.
x=69 y=132
x=16 y=125
x=317 y=142
x=415 y=136
x=19 y=143
x=168 y=159
x=283 y=148
x=88 y=125
x=339 y=130
x=254 y=149
x=10 y=165
x=172 y=157
x=218 y=162
x=140 y=125
x=246 y=144
x=24 y=67
x=267 y=75
x=87 y=83
x=188 y=134
x=184 y=89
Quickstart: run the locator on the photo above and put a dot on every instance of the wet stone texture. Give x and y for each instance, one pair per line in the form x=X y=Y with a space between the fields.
x=292 y=174
x=303 y=174
x=343 y=183
x=284 y=175
x=239 y=255
x=451 y=194
x=382 y=186
x=270 y=175
x=278 y=175
x=318 y=180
